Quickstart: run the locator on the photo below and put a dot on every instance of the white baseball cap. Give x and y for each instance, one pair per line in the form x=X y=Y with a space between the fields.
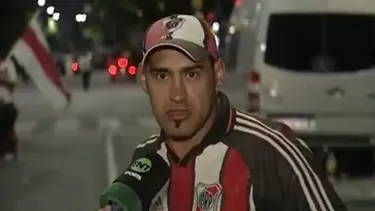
x=191 y=35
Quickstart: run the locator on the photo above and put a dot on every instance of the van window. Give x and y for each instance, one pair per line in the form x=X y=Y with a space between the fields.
x=321 y=42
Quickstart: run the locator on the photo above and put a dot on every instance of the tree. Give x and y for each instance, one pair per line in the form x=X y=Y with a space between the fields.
x=112 y=20
x=178 y=6
x=224 y=9
x=151 y=10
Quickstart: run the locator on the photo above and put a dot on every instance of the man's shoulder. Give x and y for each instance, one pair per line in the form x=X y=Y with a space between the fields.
x=247 y=120
x=149 y=144
x=150 y=140
x=262 y=135
x=250 y=125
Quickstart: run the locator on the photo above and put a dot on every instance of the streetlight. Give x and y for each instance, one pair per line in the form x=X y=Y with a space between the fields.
x=56 y=16
x=80 y=18
x=51 y=26
x=232 y=29
x=50 y=10
x=84 y=17
x=215 y=27
x=41 y=3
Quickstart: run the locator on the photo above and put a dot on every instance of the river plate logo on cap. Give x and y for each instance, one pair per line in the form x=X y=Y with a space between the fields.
x=142 y=165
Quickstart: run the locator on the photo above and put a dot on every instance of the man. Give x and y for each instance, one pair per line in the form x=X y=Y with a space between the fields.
x=220 y=158
x=84 y=63
x=60 y=64
x=8 y=111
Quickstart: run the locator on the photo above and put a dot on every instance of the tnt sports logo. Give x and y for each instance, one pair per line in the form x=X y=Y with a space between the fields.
x=208 y=197
x=142 y=165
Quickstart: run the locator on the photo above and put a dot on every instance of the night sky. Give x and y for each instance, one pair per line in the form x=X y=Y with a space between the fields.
x=12 y=18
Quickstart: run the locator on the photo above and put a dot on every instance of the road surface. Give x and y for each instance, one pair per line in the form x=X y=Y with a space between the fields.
x=68 y=158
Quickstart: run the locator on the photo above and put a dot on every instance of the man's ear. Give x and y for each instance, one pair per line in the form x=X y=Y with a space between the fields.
x=142 y=76
x=219 y=71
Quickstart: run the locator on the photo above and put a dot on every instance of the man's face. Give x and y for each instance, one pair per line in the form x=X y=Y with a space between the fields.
x=181 y=91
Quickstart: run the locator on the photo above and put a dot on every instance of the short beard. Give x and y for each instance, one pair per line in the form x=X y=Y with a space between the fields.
x=180 y=138
x=177 y=124
x=188 y=137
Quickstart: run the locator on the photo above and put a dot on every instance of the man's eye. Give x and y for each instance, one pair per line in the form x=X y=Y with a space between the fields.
x=161 y=76
x=191 y=74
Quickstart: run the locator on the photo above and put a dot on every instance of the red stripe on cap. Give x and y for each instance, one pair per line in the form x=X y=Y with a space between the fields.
x=155 y=33
x=44 y=58
x=210 y=40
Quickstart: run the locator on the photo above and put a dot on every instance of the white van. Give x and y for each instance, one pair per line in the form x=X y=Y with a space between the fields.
x=312 y=66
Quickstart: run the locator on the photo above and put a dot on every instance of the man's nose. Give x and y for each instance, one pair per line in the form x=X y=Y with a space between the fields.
x=177 y=90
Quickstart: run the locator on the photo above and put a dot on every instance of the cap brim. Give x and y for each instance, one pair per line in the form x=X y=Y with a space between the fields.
x=192 y=50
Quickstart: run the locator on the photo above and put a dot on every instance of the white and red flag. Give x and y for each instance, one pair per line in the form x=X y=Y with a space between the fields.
x=31 y=51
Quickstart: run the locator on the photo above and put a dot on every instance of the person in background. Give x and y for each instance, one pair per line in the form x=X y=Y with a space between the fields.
x=8 y=111
x=85 y=67
x=60 y=63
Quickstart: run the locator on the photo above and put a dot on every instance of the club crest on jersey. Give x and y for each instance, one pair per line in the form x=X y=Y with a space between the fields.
x=171 y=25
x=208 y=197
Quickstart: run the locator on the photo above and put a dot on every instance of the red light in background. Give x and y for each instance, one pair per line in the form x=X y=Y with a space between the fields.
x=237 y=3
x=210 y=18
x=254 y=77
x=74 y=66
x=132 y=70
x=123 y=62
x=112 y=70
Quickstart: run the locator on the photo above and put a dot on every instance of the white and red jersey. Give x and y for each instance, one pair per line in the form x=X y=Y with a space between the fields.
x=244 y=163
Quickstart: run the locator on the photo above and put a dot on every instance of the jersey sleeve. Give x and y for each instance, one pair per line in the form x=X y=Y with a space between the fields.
x=136 y=188
x=302 y=181
x=136 y=154
x=145 y=147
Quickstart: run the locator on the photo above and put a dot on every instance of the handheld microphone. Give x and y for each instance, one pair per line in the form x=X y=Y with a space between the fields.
x=135 y=188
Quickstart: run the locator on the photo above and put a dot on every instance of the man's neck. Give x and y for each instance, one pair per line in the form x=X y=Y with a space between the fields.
x=183 y=147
